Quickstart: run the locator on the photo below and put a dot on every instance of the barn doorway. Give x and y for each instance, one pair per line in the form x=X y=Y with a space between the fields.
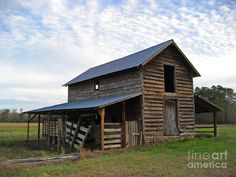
x=170 y=118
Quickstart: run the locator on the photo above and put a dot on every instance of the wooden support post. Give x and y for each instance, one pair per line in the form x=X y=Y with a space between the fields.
x=141 y=121
x=59 y=136
x=39 y=129
x=127 y=133
x=124 y=144
x=102 y=114
x=48 y=129
x=142 y=101
x=215 y=128
x=28 y=127
x=63 y=131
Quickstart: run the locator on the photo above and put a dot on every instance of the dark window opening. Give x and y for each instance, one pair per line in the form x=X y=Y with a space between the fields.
x=96 y=85
x=169 y=76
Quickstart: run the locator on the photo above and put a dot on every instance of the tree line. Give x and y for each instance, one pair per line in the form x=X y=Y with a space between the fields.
x=12 y=115
x=223 y=97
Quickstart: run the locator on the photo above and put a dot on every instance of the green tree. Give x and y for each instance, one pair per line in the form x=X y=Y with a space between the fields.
x=224 y=98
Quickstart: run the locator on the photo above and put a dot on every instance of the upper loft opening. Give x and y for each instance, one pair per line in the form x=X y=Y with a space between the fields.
x=96 y=86
x=169 y=78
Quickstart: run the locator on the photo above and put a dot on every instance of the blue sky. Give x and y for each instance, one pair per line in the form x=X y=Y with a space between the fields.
x=43 y=44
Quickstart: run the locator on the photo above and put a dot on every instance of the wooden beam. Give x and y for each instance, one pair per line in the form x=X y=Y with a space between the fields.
x=141 y=122
x=102 y=114
x=29 y=115
x=48 y=129
x=215 y=128
x=127 y=133
x=124 y=142
x=29 y=119
x=63 y=130
x=39 y=129
x=59 y=136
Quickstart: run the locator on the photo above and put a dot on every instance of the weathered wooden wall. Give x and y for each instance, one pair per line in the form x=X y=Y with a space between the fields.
x=111 y=85
x=154 y=95
x=150 y=80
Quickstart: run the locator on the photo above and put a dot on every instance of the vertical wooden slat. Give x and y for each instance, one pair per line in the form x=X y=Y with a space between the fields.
x=102 y=114
x=39 y=129
x=141 y=122
x=69 y=139
x=136 y=131
x=127 y=133
x=132 y=128
x=133 y=132
x=44 y=123
x=59 y=136
x=124 y=144
x=76 y=133
x=28 y=127
x=130 y=137
x=48 y=129
x=63 y=130
x=215 y=129
x=43 y=127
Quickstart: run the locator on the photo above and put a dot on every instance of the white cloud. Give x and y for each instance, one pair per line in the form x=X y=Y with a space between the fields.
x=51 y=41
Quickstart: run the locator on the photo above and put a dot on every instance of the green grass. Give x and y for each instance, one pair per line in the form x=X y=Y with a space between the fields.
x=165 y=159
x=13 y=142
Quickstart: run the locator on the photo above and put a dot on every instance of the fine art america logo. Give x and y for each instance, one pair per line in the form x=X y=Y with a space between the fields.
x=207 y=160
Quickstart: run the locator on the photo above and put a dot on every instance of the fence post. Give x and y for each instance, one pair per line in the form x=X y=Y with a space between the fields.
x=215 y=128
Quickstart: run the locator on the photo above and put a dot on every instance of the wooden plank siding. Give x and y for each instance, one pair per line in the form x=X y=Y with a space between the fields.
x=149 y=80
x=128 y=81
x=154 y=95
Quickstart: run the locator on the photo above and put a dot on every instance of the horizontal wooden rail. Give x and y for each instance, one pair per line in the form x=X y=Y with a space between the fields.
x=112 y=135
x=204 y=126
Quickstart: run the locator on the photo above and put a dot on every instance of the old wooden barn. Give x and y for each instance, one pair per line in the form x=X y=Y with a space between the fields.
x=141 y=98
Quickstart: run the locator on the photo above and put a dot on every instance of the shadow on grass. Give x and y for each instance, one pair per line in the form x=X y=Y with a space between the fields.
x=22 y=149
x=30 y=145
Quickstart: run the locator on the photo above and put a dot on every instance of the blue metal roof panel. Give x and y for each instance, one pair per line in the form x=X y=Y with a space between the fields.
x=128 y=62
x=87 y=104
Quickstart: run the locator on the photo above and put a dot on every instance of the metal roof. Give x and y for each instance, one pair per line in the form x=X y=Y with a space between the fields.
x=131 y=61
x=203 y=106
x=86 y=104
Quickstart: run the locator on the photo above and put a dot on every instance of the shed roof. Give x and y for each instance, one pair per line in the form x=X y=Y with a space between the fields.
x=86 y=104
x=134 y=60
x=203 y=106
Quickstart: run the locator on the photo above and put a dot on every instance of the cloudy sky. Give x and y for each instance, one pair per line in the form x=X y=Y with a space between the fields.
x=45 y=43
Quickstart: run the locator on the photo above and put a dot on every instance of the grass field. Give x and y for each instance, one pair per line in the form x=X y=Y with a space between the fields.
x=13 y=141
x=165 y=159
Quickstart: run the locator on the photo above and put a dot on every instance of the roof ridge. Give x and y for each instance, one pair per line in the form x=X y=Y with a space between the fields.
x=134 y=60
x=171 y=40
